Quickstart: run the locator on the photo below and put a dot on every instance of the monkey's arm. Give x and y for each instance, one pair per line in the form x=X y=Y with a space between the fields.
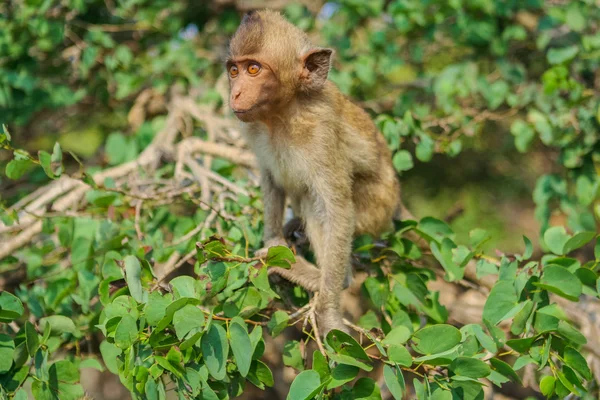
x=274 y=201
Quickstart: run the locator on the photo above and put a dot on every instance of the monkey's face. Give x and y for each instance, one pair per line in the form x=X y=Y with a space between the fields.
x=254 y=88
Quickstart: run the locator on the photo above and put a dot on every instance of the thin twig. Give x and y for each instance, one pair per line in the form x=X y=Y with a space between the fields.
x=138 y=212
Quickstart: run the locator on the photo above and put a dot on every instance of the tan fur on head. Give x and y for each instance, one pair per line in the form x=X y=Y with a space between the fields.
x=268 y=32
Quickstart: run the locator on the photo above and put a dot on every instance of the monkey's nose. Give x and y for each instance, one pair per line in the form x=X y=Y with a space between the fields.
x=236 y=95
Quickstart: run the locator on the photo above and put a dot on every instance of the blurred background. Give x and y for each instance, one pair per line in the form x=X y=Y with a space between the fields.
x=490 y=106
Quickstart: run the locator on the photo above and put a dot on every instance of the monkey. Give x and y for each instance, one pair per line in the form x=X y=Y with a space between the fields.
x=314 y=147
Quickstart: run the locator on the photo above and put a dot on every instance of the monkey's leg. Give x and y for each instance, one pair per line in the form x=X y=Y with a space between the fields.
x=330 y=228
x=302 y=273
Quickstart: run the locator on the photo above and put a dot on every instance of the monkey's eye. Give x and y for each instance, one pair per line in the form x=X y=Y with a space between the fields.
x=253 y=68
x=233 y=71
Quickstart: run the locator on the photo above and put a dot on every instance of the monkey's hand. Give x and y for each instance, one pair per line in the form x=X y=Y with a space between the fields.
x=262 y=253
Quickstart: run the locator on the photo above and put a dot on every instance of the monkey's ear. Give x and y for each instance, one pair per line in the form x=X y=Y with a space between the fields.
x=316 y=65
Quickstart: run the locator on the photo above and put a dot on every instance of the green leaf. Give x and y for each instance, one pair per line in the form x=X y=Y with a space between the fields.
x=436 y=339
x=441 y=394
x=184 y=286
x=21 y=394
x=521 y=345
x=156 y=306
x=278 y=322
x=470 y=367
x=260 y=374
x=579 y=240
x=575 y=360
x=7 y=136
x=280 y=256
x=110 y=352
x=32 y=339
x=394 y=381
x=65 y=371
x=524 y=135
x=17 y=168
x=486 y=341
x=403 y=161
x=547 y=385
x=240 y=343
x=59 y=324
x=444 y=254
x=505 y=369
x=342 y=374
x=133 y=271
x=425 y=147
x=52 y=164
x=399 y=355
x=398 y=335
x=11 y=307
x=215 y=348
x=366 y=389
x=378 y=289
x=292 y=356
x=542 y=126
x=561 y=55
x=575 y=18
x=119 y=149
x=500 y=301
x=567 y=331
x=342 y=348
x=520 y=320
x=555 y=238
x=528 y=248
x=560 y=281
x=126 y=332
x=187 y=319
x=305 y=386
x=171 y=309
x=321 y=365
x=565 y=381
x=434 y=229
x=7 y=350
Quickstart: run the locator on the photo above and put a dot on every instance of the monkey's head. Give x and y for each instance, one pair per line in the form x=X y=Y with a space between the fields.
x=270 y=63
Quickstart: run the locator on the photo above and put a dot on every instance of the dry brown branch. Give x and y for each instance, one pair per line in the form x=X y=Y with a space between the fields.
x=238 y=156
x=138 y=213
x=73 y=190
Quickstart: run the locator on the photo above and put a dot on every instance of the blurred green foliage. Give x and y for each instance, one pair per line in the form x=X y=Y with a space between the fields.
x=441 y=78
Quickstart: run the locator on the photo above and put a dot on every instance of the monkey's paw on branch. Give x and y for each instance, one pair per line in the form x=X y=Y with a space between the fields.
x=322 y=321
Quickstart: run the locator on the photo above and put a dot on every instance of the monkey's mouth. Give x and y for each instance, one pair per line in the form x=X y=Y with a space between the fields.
x=248 y=110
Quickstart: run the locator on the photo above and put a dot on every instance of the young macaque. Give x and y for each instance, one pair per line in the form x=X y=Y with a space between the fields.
x=315 y=148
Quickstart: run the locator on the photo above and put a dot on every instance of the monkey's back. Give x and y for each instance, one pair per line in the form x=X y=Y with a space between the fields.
x=376 y=190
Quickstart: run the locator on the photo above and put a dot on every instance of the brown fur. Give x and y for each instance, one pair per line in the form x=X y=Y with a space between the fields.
x=314 y=147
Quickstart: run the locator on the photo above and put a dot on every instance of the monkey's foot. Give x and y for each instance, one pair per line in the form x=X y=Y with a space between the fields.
x=262 y=253
x=301 y=273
